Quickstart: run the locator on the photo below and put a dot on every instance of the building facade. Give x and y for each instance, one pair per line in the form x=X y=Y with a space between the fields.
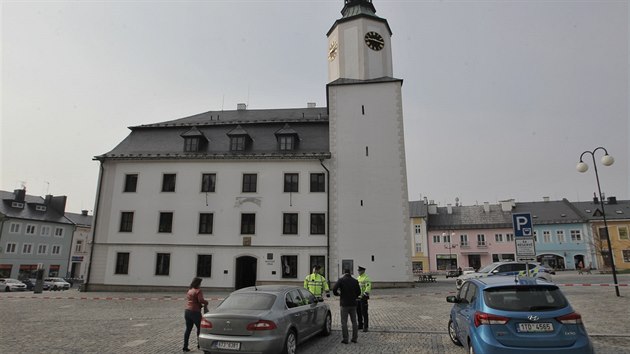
x=81 y=242
x=34 y=233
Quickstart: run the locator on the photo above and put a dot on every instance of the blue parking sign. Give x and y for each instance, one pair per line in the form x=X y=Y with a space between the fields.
x=522 y=223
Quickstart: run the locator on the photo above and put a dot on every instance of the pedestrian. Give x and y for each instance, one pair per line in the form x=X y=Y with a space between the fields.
x=580 y=266
x=350 y=290
x=192 y=314
x=362 y=302
x=316 y=283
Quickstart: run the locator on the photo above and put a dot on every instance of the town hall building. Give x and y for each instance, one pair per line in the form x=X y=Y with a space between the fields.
x=259 y=196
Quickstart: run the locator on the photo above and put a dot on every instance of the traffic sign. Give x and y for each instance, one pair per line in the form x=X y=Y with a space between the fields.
x=525 y=247
x=522 y=224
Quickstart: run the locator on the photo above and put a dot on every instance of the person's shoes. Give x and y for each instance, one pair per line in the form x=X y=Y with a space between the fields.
x=354 y=341
x=365 y=329
x=185 y=350
x=344 y=341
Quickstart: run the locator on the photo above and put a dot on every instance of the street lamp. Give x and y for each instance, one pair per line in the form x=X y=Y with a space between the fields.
x=450 y=246
x=607 y=160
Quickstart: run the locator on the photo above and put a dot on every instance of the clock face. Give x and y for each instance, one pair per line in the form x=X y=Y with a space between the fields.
x=374 y=41
x=332 y=51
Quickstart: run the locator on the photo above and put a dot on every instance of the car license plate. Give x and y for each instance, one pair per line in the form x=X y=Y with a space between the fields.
x=228 y=345
x=535 y=327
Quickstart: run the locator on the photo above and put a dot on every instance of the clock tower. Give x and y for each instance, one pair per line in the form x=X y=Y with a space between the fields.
x=369 y=205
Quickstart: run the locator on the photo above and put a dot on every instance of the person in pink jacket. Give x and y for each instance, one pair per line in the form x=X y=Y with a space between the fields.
x=192 y=314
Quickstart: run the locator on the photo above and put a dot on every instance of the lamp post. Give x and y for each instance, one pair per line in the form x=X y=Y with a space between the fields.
x=607 y=160
x=450 y=246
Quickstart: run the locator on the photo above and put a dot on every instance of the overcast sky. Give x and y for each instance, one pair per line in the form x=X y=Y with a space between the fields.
x=500 y=98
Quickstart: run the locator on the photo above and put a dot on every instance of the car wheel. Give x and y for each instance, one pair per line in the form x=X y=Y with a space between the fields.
x=327 y=325
x=7 y=289
x=290 y=343
x=452 y=333
x=471 y=350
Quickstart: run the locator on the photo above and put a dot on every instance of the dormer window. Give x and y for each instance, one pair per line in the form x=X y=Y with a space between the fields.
x=17 y=205
x=237 y=143
x=40 y=207
x=239 y=139
x=287 y=138
x=286 y=142
x=194 y=140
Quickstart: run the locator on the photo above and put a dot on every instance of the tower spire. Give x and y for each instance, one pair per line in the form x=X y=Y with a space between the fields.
x=358 y=7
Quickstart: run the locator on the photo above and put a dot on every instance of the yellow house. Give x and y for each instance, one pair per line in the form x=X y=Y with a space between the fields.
x=618 y=220
x=419 y=256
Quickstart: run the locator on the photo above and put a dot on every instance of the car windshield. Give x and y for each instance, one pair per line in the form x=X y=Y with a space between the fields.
x=12 y=281
x=487 y=268
x=252 y=301
x=525 y=298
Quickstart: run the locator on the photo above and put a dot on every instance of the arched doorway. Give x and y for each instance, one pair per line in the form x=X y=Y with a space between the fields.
x=578 y=260
x=245 y=274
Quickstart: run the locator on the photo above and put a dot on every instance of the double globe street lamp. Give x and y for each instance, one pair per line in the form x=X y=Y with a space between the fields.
x=606 y=160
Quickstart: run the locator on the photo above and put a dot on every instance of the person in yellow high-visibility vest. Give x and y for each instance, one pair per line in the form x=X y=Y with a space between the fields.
x=365 y=283
x=316 y=283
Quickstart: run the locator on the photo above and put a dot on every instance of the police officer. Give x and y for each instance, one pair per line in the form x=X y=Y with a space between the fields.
x=362 y=302
x=316 y=283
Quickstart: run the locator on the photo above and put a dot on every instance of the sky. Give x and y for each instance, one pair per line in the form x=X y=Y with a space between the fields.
x=500 y=98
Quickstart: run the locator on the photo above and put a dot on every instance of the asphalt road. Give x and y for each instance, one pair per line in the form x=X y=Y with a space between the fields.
x=402 y=320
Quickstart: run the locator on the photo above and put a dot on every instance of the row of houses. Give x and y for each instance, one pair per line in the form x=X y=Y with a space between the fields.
x=567 y=234
x=37 y=232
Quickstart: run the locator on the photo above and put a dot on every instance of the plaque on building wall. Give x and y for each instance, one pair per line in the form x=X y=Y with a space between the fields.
x=247 y=241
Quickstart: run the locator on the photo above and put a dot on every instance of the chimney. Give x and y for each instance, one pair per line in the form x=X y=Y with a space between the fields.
x=486 y=207
x=20 y=194
x=449 y=209
x=595 y=200
x=426 y=201
x=241 y=106
x=48 y=199
x=84 y=212
x=545 y=199
x=311 y=104
x=507 y=205
x=612 y=200
x=57 y=203
x=432 y=209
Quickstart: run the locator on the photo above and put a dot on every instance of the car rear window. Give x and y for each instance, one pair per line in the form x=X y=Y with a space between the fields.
x=525 y=298
x=253 y=301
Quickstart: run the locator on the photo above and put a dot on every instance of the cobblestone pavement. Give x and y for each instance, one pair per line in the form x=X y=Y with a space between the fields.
x=402 y=321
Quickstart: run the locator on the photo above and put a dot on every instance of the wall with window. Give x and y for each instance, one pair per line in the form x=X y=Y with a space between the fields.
x=468 y=248
x=561 y=246
x=220 y=207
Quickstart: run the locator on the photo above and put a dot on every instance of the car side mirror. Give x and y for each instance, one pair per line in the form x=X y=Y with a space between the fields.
x=452 y=299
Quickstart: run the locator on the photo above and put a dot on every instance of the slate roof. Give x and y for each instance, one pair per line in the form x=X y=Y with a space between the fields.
x=551 y=212
x=358 y=8
x=80 y=219
x=29 y=211
x=618 y=211
x=164 y=140
x=470 y=217
x=418 y=209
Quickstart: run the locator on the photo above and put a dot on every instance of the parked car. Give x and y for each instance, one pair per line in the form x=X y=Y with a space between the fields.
x=453 y=272
x=467 y=270
x=515 y=315
x=30 y=284
x=513 y=268
x=10 y=284
x=264 y=319
x=57 y=283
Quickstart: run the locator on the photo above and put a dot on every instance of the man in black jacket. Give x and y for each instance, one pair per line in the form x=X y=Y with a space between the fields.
x=350 y=291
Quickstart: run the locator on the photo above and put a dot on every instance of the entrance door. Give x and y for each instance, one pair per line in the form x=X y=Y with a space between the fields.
x=474 y=260
x=245 y=274
x=74 y=271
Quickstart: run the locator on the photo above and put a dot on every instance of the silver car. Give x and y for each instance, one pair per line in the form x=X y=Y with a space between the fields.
x=10 y=284
x=264 y=319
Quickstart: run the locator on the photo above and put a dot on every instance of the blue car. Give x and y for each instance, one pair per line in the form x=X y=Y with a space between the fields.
x=515 y=315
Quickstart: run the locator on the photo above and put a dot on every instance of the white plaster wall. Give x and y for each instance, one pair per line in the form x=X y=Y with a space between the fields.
x=184 y=243
x=379 y=227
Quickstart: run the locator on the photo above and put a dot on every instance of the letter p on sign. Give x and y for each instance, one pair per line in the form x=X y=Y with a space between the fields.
x=522 y=224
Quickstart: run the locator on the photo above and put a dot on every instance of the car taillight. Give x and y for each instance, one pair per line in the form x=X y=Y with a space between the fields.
x=482 y=318
x=206 y=324
x=572 y=318
x=261 y=325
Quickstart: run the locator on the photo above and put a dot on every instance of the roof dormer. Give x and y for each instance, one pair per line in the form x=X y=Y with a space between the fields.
x=194 y=140
x=287 y=138
x=240 y=140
